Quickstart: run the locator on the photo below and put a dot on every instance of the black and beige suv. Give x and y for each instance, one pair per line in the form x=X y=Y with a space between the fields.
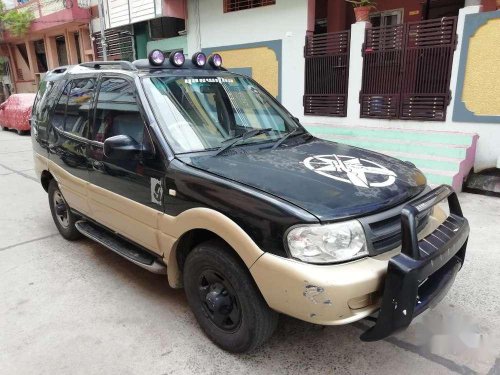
x=189 y=170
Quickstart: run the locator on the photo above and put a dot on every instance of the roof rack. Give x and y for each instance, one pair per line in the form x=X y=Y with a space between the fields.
x=125 y=65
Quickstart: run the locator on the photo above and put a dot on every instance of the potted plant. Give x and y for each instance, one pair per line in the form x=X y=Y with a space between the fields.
x=362 y=8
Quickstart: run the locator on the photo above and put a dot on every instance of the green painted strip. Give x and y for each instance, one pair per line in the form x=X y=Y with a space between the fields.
x=379 y=145
x=424 y=137
x=447 y=166
x=437 y=179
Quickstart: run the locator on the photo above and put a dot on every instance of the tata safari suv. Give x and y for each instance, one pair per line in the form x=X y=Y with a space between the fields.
x=189 y=170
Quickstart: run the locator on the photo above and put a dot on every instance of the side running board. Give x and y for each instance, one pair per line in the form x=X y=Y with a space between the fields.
x=120 y=246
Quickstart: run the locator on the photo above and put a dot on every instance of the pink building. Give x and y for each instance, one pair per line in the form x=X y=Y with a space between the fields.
x=59 y=35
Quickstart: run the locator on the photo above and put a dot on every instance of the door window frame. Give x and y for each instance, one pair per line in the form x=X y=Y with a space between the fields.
x=69 y=81
x=142 y=112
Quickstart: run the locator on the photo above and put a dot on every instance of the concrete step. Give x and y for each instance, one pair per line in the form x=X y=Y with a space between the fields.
x=445 y=157
x=378 y=143
x=409 y=134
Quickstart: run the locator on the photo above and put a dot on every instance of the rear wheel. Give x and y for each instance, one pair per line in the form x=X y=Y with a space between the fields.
x=224 y=299
x=63 y=217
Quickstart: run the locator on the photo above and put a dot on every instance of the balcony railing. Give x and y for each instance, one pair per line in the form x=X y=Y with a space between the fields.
x=41 y=8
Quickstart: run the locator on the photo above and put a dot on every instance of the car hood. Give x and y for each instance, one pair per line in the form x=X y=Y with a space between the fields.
x=329 y=180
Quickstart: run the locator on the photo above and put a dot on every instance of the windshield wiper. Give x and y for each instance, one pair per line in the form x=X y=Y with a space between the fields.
x=248 y=134
x=284 y=138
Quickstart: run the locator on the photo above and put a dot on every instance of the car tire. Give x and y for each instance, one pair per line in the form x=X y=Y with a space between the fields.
x=63 y=217
x=5 y=128
x=225 y=300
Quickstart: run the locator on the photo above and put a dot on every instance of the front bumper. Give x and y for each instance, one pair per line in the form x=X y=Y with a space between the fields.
x=420 y=276
x=344 y=293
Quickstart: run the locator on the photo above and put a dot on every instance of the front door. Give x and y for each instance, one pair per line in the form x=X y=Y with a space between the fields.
x=124 y=195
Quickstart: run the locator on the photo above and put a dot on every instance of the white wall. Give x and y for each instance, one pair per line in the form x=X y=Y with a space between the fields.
x=124 y=12
x=208 y=26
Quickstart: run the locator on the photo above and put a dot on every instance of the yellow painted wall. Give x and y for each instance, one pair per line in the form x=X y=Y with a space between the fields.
x=262 y=60
x=481 y=93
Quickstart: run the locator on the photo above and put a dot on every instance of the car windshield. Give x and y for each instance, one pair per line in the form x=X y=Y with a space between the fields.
x=207 y=113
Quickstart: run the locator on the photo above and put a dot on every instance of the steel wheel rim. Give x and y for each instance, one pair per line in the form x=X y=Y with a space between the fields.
x=219 y=301
x=61 y=209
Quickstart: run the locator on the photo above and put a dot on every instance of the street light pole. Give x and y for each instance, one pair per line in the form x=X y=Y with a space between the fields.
x=103 y=26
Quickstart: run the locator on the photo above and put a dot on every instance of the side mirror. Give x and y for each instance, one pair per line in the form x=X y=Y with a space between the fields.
x=122 y=147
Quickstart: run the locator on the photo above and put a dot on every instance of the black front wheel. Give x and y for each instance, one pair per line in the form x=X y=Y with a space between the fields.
x=225 y=300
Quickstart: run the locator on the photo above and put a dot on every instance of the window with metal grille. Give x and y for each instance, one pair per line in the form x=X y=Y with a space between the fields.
x=235 y=5
x=119 y=43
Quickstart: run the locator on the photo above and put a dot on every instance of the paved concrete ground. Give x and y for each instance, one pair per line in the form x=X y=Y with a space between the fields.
x=77 y=308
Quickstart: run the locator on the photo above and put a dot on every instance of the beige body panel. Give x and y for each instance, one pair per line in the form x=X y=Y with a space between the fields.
x=328 y=294
x=41 y=164
x=74 y=189
x=133 y=220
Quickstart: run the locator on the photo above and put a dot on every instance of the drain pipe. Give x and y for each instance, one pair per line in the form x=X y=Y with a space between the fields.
x=103 y=36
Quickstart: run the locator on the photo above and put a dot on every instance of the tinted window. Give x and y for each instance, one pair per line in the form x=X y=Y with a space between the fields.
x=60 y=108
x=117 y=112
x=79 y=105
x=41 y=98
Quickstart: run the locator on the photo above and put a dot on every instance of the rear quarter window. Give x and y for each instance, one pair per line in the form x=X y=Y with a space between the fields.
x=42 y=104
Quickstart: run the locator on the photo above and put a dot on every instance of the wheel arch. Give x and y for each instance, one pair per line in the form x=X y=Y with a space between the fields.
x=45 y=179
x=198 y=225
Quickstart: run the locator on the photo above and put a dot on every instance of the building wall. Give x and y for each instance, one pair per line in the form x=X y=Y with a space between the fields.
x=265 y=42
x=330 y=9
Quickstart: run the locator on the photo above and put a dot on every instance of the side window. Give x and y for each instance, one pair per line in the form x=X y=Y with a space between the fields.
x=117 y=112
x=60 y=108
x=79 y=104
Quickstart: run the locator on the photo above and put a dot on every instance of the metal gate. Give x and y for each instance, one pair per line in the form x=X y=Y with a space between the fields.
x=327 y=74
x=407 y=70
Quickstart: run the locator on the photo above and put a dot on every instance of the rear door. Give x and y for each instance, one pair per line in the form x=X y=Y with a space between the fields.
x=124 y=195
x=68 y=140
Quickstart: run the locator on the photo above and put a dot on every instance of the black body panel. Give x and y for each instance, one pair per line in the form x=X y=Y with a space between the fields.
x=262 y=216
x=282 y=173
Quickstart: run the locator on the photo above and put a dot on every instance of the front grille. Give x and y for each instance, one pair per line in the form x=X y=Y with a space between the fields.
x=386 y=234
x=383 y=230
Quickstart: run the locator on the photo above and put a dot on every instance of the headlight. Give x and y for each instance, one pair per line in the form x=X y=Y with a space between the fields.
x=329 y=243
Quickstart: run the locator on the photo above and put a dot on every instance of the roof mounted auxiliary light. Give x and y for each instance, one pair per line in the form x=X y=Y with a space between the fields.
x=156 y=57
x=215 y=60
x=177 y=58
x=199 y=59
